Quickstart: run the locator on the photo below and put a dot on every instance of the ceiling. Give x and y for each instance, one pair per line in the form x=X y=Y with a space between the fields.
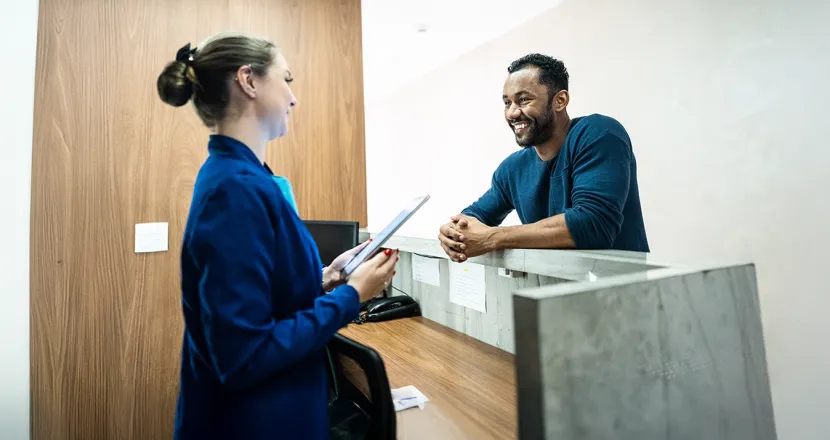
x=396 y=53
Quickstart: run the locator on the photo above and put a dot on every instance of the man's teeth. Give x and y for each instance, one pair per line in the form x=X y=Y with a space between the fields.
x=520 y=125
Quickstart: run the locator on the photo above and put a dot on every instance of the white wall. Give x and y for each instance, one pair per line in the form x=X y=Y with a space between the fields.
x=727 y=104
x=395 y=53
x=18 y=43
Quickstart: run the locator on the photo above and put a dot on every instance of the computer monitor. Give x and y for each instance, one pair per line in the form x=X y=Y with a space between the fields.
x=333 y=237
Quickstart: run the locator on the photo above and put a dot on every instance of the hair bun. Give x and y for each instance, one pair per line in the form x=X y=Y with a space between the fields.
x=173 y=85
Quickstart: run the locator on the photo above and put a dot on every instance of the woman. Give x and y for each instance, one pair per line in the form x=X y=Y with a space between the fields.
x=257 y=317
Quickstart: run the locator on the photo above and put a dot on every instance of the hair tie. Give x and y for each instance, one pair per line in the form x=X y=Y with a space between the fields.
x=185 y=54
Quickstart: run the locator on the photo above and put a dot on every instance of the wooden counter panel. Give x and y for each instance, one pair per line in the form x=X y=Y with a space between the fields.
x=471 y=385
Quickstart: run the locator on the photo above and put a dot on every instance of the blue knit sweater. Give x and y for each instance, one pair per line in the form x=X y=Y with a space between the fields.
x=593 y=181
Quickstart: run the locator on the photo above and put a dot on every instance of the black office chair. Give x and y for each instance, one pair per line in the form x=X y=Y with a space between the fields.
x=360 y=401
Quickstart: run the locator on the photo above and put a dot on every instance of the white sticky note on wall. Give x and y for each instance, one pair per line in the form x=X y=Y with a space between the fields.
x=467 y=286
x=150 y=237
x=426 y=270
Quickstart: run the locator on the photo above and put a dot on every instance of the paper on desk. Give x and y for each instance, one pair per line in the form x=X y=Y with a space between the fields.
x=426 y=270
x=408 y=397
x=467 y=286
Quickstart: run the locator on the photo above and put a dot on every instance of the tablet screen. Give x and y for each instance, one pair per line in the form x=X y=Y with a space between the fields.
x=384 y=235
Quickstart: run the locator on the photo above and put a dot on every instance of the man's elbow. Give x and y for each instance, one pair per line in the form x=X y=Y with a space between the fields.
x=591 y=230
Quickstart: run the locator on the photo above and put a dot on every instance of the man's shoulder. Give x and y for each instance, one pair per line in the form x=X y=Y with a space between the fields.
x=595 y=126
x=518 y=158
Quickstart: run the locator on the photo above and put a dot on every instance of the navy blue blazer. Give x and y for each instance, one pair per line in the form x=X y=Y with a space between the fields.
x=256 y=317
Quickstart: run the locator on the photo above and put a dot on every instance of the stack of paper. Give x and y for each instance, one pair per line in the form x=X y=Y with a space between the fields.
x=408 y=397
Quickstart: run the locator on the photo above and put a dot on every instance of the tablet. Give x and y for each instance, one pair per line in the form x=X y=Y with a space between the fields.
x=385 y=234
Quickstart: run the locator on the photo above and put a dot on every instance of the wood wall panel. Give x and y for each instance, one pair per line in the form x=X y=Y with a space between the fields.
x=106 y=323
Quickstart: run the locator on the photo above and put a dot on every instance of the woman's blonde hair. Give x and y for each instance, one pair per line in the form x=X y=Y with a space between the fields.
x=203 y=74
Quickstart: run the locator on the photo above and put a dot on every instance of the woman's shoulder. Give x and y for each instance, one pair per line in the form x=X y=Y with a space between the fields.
x=239 y=190
x=235 y=179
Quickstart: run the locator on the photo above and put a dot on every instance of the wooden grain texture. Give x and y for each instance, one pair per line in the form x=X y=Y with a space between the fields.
x=106 y=324
x=471 y=385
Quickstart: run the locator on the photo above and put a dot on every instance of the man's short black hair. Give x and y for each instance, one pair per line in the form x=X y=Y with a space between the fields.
x=552 y=72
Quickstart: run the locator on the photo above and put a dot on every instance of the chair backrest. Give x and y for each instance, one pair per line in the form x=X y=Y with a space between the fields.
x=359 y=376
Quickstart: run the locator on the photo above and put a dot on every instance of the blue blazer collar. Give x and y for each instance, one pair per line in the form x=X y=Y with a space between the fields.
x=229 y=147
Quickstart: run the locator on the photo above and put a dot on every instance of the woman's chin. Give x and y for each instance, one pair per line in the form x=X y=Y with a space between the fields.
x=280 y=132
x=284 y=127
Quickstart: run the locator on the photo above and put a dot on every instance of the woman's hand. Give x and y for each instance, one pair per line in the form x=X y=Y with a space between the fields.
x=333 y=273
x=374 y=275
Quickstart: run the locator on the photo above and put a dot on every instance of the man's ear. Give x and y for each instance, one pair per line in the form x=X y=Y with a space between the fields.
x=561 y=100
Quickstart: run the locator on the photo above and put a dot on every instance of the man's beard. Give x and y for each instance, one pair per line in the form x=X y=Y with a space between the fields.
x=539 y=130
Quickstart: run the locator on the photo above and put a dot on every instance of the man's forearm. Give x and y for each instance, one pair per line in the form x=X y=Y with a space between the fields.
x=550 y=233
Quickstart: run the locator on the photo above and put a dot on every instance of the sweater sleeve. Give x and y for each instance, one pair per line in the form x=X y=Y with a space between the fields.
x=601 y=176
x=494 y=206
x=233 y=244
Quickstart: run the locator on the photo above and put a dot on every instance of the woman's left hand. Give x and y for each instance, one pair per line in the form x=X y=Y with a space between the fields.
x=333 y=273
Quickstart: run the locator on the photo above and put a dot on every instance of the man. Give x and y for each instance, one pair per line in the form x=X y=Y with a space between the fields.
x=574 y=183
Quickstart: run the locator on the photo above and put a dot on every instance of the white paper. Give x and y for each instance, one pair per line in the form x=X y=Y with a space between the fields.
x=150 y=237
x=408 y=397
x=425 y=270
x=467 y=286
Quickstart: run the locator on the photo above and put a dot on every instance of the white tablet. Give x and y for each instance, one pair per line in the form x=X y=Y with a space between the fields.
x=383 y=236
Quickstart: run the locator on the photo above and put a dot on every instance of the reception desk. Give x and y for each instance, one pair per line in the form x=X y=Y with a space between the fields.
x=471 y=385
x=607 y=345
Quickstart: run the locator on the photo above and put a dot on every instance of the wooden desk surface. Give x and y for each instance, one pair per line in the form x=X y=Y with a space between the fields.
x=471 y=385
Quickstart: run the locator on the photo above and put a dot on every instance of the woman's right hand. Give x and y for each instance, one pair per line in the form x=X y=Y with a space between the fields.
x=374 y=275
